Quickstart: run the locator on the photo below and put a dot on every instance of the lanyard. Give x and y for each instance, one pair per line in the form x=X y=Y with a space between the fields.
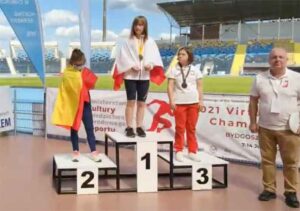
x=184 y=84
x=140 y=48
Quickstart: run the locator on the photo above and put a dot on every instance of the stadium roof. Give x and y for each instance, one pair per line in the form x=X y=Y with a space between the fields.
x=198 y=12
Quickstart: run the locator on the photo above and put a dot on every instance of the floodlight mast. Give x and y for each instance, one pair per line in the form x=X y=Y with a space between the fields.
x=104 y=21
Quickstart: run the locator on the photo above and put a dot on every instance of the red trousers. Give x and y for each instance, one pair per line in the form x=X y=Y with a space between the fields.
x=186 y=117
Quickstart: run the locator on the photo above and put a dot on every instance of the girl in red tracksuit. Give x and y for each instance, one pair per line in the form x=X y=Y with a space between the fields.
x=186 y=99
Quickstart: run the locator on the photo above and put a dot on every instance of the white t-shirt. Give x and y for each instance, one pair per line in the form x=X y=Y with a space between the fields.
x=278 y=98
x=189 y=94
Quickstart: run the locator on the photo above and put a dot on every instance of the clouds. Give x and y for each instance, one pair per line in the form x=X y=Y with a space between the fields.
x=6 y=32
x=166 y=36
x=65 y=24
x=97 y=35
x=68 y=32
x=73 y=33
x=125 y=33
x=138 y=5
x=3 y=20
x=56 y=17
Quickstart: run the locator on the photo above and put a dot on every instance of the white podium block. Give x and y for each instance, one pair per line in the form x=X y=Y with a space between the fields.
x=87 y=180
x=201 y=176
x=147 y=176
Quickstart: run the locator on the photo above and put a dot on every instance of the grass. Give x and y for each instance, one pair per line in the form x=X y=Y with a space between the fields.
x=226 y=84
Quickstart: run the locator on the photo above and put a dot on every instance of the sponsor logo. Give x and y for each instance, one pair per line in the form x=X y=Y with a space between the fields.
x=164 y=109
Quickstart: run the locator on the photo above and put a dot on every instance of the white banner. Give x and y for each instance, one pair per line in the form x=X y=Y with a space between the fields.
x=222 y=129
x=85 y=30
x=6 y=110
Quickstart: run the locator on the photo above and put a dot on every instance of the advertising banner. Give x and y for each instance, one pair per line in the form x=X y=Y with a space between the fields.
x=6 y=110
x=24 y=18
x=222 y=128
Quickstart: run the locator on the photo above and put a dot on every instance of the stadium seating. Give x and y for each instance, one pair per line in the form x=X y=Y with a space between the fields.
x=257 y=51
x=213 y=56
x=101 y=61
x=4 y=66
x=216 y=53
x=167 y=54
x=53 y=64
x=22 y=63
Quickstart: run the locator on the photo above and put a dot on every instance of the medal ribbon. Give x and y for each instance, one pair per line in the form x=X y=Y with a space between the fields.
x=140 y=48
x=182 y=74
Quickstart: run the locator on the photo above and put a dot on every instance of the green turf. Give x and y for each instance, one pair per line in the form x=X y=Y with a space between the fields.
x=226 y=84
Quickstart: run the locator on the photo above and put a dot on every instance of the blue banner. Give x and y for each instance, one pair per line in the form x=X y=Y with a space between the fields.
x=24 y=18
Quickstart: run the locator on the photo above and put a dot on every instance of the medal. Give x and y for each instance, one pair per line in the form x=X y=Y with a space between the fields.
x=140 y=48
x=140 y=57
x=184 y=84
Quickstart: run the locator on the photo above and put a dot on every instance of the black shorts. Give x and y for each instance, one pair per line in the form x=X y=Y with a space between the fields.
x=139 y=87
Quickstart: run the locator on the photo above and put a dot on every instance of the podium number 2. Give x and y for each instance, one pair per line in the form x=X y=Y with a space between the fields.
x=91 y=176
x=204 y=178
x=147 y=158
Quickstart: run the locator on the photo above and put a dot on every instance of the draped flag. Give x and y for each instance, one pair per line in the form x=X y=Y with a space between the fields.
x=85 y=30
x=127 y=57
x=73 y=92
x=25 y=19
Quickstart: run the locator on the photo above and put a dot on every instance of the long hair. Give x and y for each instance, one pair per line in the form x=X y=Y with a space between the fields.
x=77 y=55
x=137 y=20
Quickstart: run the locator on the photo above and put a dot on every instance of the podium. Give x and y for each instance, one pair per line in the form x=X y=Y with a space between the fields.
x=206 y=159
x=119 y=139
x=147 y=176
x=63 y=167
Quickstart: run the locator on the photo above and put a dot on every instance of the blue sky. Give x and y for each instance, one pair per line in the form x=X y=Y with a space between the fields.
x=60 y=20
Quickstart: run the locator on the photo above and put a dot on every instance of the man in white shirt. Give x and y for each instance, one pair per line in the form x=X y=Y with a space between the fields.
x=274 y=95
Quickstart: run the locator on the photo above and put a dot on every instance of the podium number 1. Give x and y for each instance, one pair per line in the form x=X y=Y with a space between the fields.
x=146 y=157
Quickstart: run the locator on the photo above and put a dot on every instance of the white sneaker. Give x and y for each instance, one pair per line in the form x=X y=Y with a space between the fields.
x=179 y=156
x=75 y=156
x=96 y=156
x=194 y=157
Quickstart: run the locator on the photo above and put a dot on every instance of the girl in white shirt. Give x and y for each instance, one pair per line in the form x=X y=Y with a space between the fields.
x=186 y=99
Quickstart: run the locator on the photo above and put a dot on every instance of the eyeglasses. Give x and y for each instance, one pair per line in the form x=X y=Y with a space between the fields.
x=78 y=66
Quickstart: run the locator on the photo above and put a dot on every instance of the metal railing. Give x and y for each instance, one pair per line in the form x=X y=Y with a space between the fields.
x=29 y=110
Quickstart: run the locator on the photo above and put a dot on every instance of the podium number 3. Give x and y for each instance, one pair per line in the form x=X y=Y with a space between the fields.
x=204 y=178
x=147 y=158
x=89 y=179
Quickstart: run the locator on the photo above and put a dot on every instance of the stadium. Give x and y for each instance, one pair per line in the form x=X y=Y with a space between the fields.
x=231 y=41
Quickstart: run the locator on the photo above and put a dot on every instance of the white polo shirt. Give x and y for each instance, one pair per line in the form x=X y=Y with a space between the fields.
x=278 y=98
x=189 y=94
